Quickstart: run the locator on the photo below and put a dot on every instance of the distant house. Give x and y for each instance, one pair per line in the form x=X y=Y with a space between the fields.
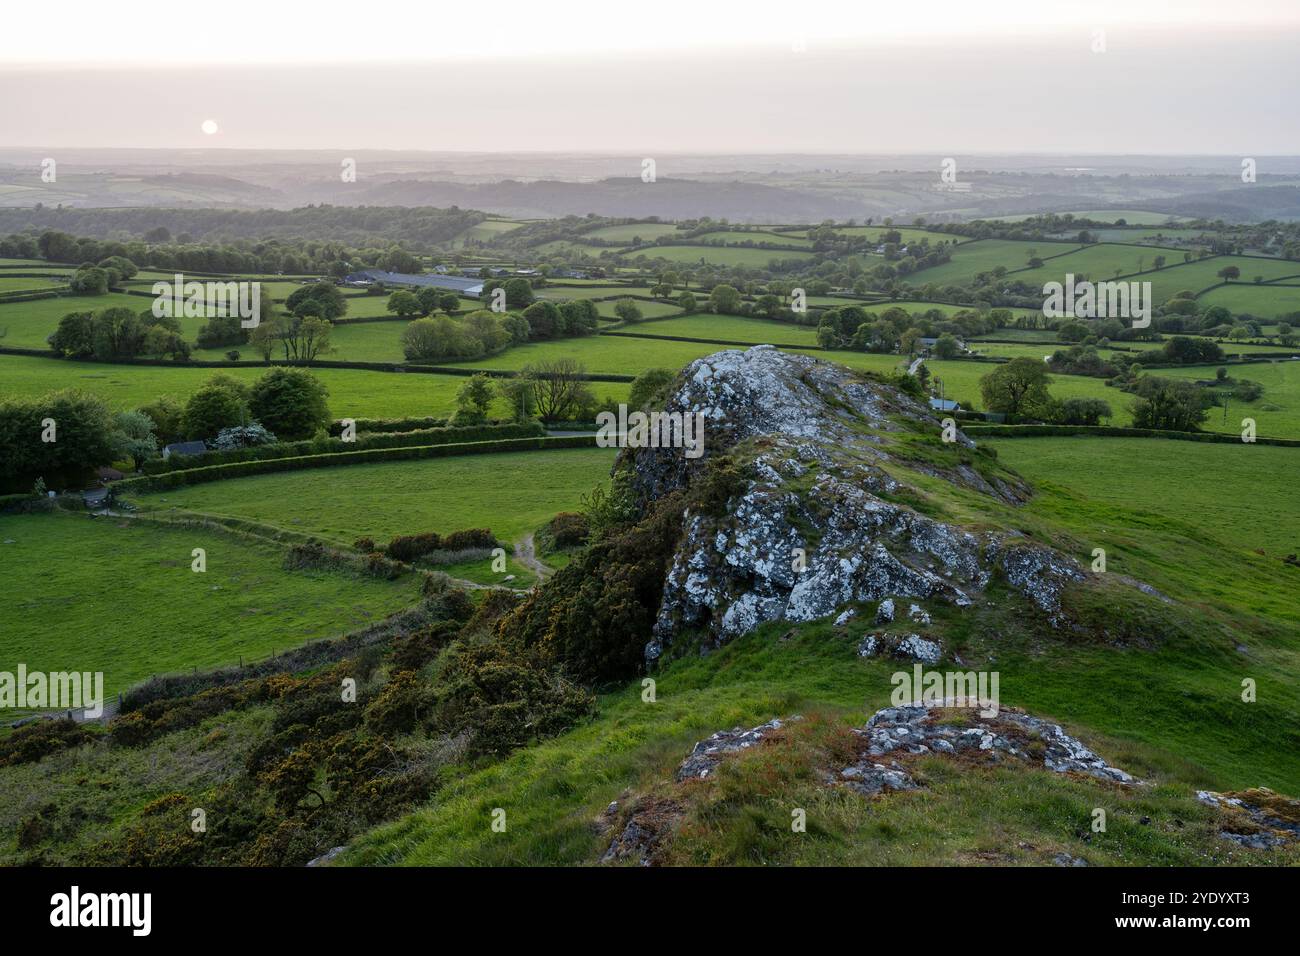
x=184 y=448
x=927 y=342
x=944 y=405
x=469 y=287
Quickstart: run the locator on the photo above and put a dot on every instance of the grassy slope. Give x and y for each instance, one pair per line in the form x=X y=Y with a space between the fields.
x=1172 y=715
x=108 y=595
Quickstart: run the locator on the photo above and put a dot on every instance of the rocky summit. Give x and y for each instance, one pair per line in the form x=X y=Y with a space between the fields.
x=823 y=518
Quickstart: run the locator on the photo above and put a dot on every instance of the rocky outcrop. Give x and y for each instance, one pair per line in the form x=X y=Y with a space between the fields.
x=1010 y=734
x=709 y=753
x=889 y=743
x=1257 y=819
x=821 y=520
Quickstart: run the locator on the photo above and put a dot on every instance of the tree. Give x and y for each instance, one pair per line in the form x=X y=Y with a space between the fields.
x=581 y=317
x=123 y=266
x=518 y=396
x=1018 y=387
x=1082 y=411
x=627 y=310
x=118 y=333
x=132 y=436
x=686 y=302
x=1170 y=406
x=559 y=390
x=725 y=300
x=82 y=428
x=405 y=304
x=220 y=403
x=946 y=347
x=648 y=386
x=1229 y=273
x=473 y=400
x=166 y=414
x=543 y=319
x=322 y=300
x=75 y=336
x=89 y=281
x=222 y=330
x=290 y=402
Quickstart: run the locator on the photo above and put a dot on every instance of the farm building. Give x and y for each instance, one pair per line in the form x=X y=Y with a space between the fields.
x=469 y=287
x=944 y=405
x=184 y=448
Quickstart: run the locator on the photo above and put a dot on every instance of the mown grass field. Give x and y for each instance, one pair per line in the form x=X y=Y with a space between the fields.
x=1265 y=301
x=119 y=596
x=731 y=328
x=1098 y=263
x=512 y=493
x=1203 y=273
x=718 y=255
x=626 y=233
x=11 y=284
x=984 y=255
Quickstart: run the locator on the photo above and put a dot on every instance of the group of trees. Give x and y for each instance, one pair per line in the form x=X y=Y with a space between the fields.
x=289 y=403
x=407 y=304
x=119 y=333
x=92 y=279
x=555 y=391
x=1019 y=390
x=480 y=333
x=896 y=330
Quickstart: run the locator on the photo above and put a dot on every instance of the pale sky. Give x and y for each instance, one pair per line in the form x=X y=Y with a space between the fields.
x=1110 y=76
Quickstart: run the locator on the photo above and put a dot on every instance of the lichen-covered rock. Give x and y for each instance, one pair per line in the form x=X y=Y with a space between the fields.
x=1258 y=819
x=917 y=729
x=819 y=522
x=707 y=754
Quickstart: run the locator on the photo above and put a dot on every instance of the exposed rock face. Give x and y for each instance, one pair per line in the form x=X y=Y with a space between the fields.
x=818 y=524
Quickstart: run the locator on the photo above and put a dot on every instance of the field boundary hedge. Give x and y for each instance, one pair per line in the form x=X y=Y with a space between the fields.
x=244 y=469
x=335 y=445
x=315 y=363
x=1114 y=431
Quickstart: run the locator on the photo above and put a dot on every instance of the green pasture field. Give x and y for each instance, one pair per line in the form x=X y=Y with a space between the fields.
x=1177 y=514
x=649 y=310
x=353 y=393
x=1264 y=300
x=718 y=255
x=31 y=323
x=730 y=328
x=961 y=382
x=735 y=237
x=8 y=284
x=909 y=234
x=119 y=596
x=1202 y=273
x=1276 y=413
x=512 y=493
x=1097 y=263
x=565 y=248
x=1047 y=347
x=984 y=255
x=626 y=233
x=1155 y=236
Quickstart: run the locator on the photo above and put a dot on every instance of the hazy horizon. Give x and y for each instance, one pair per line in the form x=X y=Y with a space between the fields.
x=1095 y=79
